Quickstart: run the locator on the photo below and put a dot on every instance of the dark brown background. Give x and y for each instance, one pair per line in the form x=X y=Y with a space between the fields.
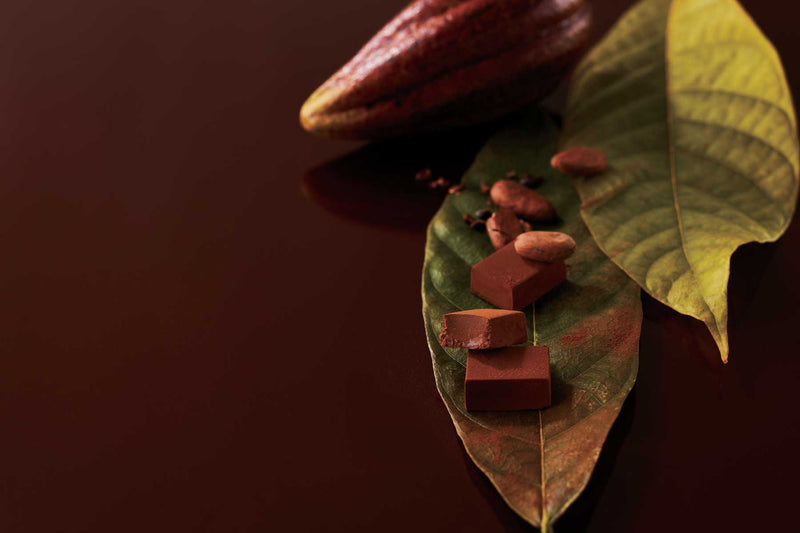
x=209 y=322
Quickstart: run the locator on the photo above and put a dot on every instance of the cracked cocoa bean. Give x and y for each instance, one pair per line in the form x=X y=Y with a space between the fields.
x=503 y=227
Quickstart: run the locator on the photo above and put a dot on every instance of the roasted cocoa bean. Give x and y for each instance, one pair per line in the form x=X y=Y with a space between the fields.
x=523 y=201
x=547 y=246
x=581 y=161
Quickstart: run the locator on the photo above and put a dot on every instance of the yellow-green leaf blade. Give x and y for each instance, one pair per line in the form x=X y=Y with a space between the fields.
x=689 y=102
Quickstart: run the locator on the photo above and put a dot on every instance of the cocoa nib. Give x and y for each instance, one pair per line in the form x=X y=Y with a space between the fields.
x=474 y=223
x=478 y=225
x=424 y=175
x=531 y=182
x=483 y=214
x=440 y=183
x=525 y=179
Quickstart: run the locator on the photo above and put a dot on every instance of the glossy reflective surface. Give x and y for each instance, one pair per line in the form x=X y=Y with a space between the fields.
x=211 y=321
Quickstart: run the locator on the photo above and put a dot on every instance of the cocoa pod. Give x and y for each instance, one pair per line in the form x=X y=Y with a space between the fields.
x=523 y=201
x=503 y=227
x=446 y=63
x=580 y=161
x=547 y=246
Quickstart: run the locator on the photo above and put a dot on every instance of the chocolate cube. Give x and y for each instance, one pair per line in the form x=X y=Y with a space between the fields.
x=481 y=329
x=508 y=379
x=508 y=280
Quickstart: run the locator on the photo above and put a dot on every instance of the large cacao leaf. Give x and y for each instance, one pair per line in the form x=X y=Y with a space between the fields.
x=539 y=461
x=688 y=100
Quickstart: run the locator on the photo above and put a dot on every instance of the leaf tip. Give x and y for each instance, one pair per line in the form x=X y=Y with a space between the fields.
x=724 y=347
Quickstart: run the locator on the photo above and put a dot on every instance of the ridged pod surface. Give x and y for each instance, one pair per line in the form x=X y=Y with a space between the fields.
x=447 y=63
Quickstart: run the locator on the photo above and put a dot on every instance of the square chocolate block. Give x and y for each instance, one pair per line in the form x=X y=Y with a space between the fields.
x=481 y=329
x=508 y=280
x=508 y=379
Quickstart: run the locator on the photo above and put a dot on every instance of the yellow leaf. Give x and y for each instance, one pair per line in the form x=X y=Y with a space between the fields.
x=689 y=102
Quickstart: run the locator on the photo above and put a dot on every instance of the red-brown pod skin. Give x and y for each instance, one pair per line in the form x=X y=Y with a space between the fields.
x=446 y=63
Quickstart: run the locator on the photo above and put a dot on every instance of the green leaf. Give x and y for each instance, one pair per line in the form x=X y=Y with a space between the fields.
x=688 y=100
x=538 y=460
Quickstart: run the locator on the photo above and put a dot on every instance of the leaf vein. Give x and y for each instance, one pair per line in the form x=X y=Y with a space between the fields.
x=734 y=170
x=736 y=94
x=634 y=74
x=756 y=138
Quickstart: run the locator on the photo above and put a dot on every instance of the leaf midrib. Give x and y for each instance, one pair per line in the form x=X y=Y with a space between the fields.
x=544 y=519
x=672 y=176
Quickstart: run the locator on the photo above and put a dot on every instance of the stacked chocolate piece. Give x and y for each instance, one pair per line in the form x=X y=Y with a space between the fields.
x=501 y=376
x=511 y=281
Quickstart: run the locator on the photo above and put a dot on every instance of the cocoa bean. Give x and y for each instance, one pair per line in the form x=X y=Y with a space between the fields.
x=523 y=201
x=546 y=246
x=503 y=227
x=581 y=161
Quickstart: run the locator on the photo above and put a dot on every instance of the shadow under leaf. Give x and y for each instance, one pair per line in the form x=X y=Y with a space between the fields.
x=375 y=185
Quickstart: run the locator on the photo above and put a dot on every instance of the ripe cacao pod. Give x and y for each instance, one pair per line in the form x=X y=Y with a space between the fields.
x=447 y=63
